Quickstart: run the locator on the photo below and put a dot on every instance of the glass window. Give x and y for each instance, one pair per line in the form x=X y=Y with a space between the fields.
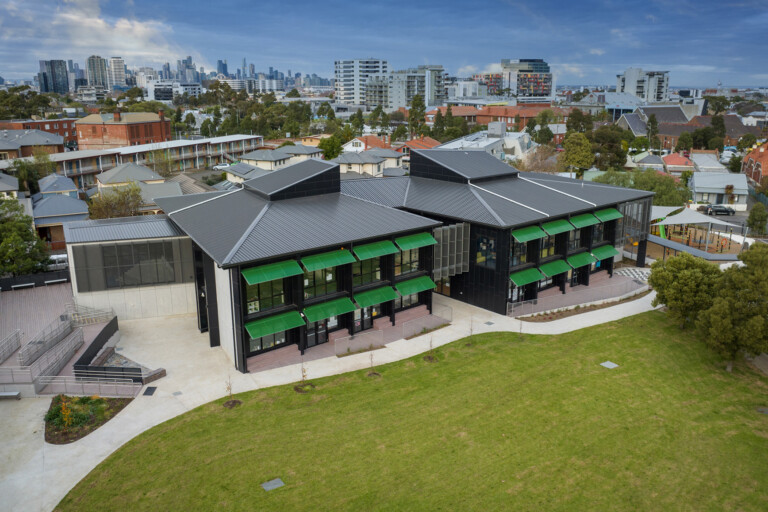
x=406 y=262
x=407 y=301
x=598 y=232
x=574 y=240
x=266 y=342
x=264 y=296
x=547 y=246
x=519 y=254
x=486 y=251
x=366 y=271
x=320 y=282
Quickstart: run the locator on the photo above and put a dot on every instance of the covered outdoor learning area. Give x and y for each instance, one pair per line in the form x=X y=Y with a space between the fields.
x=692 y=230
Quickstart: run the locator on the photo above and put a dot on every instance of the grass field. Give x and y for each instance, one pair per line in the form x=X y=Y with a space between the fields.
x=499 y=423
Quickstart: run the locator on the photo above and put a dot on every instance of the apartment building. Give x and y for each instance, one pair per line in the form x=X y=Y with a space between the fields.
x=104 y=131
x=351 y=78
x=530 y=80
x=651 y=86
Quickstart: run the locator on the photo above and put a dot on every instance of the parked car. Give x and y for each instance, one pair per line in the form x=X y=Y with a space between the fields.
x=719 y=209
x=221 y=167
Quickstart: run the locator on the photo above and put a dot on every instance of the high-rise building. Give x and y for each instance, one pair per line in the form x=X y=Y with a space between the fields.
x=398 y=88
x=351 y=77
x=245 y=69
x=97 y=71
x=53 y=76
x=652 y=86
x=116 y=72
x=530 y=80
x=221 y=67
x=251 y=70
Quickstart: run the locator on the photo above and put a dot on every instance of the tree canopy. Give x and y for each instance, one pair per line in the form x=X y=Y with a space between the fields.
x=609 y=144
x=578 y=121
x=21 y=250
x=668 y=191
x=330 y=146
x=684 y=142
x=757 y=219
x=293 y=93
x=22 y=103
x=416 y=116
x=578 y=151
x=112 y=202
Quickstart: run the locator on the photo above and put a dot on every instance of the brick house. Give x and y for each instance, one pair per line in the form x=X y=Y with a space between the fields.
x=755 y=164
x=107 y=131
x=507 y=115
x=64 y=127
x=22 y=143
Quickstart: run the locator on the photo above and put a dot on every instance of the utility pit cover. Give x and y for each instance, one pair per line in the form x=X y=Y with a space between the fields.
x=609 y=365
x=272 y=484
x=150 y=390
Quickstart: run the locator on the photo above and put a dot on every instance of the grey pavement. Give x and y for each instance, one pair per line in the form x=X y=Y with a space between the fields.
x=35 y=476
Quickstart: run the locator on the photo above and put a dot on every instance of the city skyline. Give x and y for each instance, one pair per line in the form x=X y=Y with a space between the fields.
x=585 y=44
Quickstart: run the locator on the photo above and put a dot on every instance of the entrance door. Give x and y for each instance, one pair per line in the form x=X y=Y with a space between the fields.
x=317 y=333
x=363 y=318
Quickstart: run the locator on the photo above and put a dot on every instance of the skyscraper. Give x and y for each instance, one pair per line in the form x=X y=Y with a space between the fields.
x=53 y=76
x=221 y=67
x=97 y=71
x=245 y=69
x=117 y=72
x=652 y=86
x=528 y=79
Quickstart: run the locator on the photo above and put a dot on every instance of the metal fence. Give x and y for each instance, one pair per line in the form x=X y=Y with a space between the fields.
x=52 y=362
x=117 y=388
x=10 y=344
x=83 y=315
x=576 y=297
x=441 y=315
x=46 y=339
x=367 y=340
x=8 y=284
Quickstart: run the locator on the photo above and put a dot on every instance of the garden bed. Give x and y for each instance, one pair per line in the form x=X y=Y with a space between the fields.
x=70 y=418
x=557 y=315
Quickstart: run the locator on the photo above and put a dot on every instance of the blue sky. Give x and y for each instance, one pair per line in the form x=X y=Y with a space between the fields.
x=699 y=42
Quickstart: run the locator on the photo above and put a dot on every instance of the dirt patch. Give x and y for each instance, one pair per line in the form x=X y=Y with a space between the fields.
x=70 y=418
x=557 y=315
x=231 y=404
x=430 y=358
x=373 y=374
x=304 y=387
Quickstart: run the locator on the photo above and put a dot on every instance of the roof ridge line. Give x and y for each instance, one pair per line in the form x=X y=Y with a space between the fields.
x=245 y=234
x=559 y=191
x=407 y=189
x=510 y=200
x=203 y=202
x=487 y=206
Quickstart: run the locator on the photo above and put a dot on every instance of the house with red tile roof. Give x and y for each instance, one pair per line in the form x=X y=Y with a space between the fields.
x=507 y=114
x=676 y=164
x=364 y=143
x=755 y=164
x=467 y=112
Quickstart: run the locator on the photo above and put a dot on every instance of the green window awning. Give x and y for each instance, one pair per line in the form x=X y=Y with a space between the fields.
x=327 y=260
x=374 y=250
x=556 y=227
x=415 y=241
x=604 y=252
x=271 y=272
x=373 y=297
x=328 y=309
x=554 y=268
x=608 y=214
x=584 y=220
x=581 y=260
x=417 y=285
x=527 y=234
x=273 y=324
x=524 y=277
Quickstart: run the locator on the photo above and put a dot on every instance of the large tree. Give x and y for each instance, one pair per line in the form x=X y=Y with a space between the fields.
x=330 y=146
x=609 y=146
x=737 y=320
x=578 y=151
x=686 y=285
x=652 y=127
x=668 y=191
x=21 y=250
x=684 y=142
x=757 y=219
x=578 y=121
x=416 y=116
x=112 y=202
x=718 y=125
x=717 y=104
x=293 y=93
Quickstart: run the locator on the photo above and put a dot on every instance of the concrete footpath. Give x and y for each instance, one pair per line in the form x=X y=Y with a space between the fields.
x=35 y=476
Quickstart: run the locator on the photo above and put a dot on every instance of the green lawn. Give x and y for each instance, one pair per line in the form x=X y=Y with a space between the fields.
x=498 y=423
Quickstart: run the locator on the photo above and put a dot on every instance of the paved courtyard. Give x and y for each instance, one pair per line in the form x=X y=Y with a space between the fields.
x=36 y=476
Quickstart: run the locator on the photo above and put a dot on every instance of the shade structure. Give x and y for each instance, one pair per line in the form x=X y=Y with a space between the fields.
x=327 y=260
x=584 y=220
x=374 y=250
x=556 y=227
x=604 y=252
x=524 y=277
x=264 y=273
x=377 y=296
x=415 y=241
x=273 y=324
x=608 y=214
x=554 y=268
x=524 y=235
x=328 y=309
x=416 y=285
x=688 y=216
x=581 y=260
x=660 y=212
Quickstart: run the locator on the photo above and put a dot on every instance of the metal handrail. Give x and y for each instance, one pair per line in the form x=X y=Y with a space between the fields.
x=10 y=344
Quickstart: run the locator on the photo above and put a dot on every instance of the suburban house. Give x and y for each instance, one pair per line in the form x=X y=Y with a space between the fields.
x=677 y=164
x=707 y=161
x=314 y=140
x=299 y=152
x=52 y=211
x=240 y=172
x=720 y=188
x=755 y=164
x=361 y=163
x=22 y=143
x=391 y=157
x=64 y=127
x=269 y=159
x=56 y=184
x=646 y=160
x=9 y=186
x=108 y=131
x=364 y=143
x=150 y=184
x=298 y=257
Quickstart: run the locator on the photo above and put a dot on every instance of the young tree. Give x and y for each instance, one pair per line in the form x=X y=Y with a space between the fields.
x=190 y=121
x=112 y=202
x=438 y=126
x=517 y=122
x=686 y=285
x=543 y=135
x=207 y=129
x=21 y=250
x=293 y=93
x=357 y=121
x=737 y=320
x=384 y=121
x=715 y=143
x=578 y=151
x=757 y=219
x=161 y=162
x=653 y=130
x=530 y=126
x=684 y=142
x=578 y=121
x=734 y=165
x=330 y=146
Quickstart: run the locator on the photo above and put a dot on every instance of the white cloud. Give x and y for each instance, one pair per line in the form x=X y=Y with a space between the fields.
x=467 y=70
x=494 y=67
x=78 y=28
x=651 y=18
x=597 y=51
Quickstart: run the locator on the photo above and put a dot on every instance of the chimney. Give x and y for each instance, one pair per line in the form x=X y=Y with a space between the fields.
x=161 y=113
x=116 y=116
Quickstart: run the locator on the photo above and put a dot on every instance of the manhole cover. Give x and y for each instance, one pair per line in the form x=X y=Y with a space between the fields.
x=489 y=323
x=272 y=484
x=150 y=391
x=609 y=365
x=176 y=393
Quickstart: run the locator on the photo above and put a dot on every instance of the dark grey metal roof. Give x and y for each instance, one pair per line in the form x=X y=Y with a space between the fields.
x=665 y=113
x=246 y=171
x=53 y=205
x=358 y=158
x=636 y=124
x=56 y=183
x=128 y=172
x=448 y=199
x=8 y=183
x=394 y=171
x=468 y=164
x=60 y=219
x=280 y=179
x=386 y=192
x=126 y=228
x=300 y=149
x=266 y=155
x=652 y=160
x=169 y=204
x=384 y=152
x=14 y=139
